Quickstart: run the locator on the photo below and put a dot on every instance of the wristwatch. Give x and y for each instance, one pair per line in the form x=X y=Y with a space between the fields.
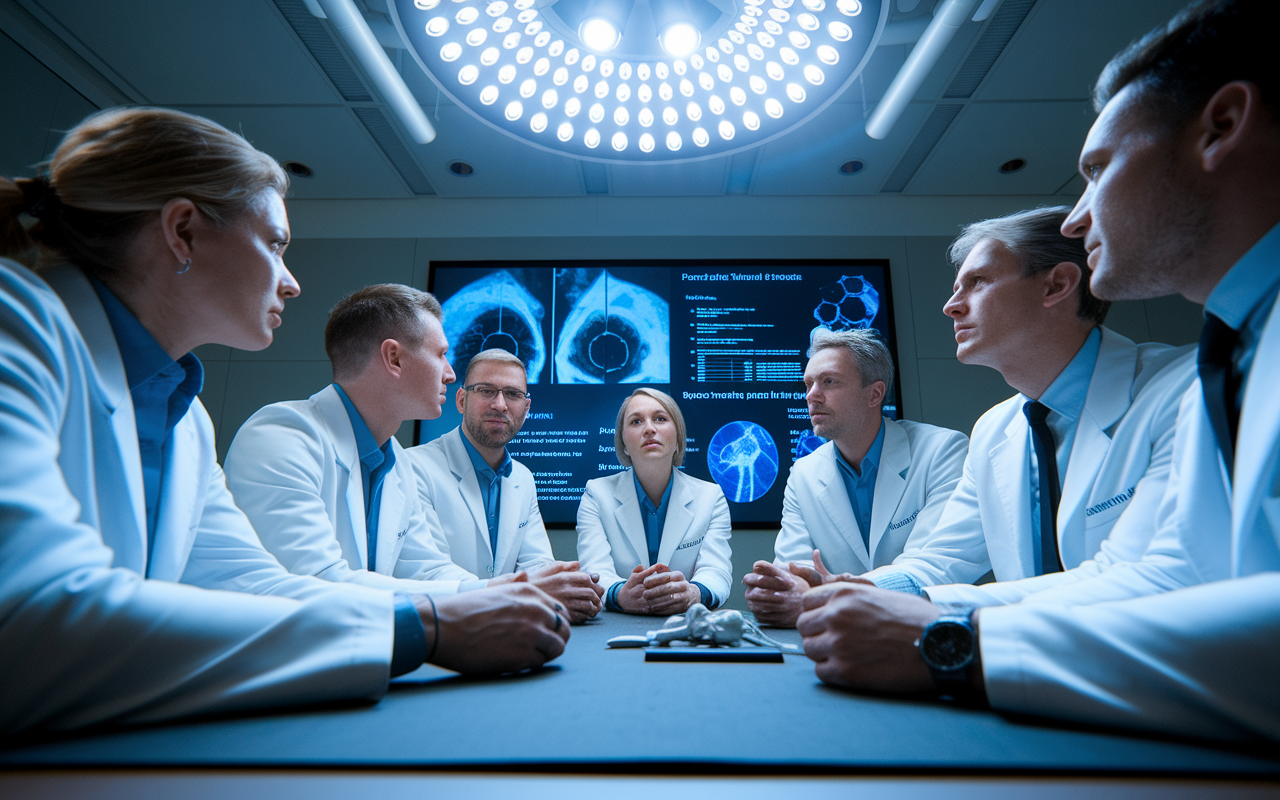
x=948 y=647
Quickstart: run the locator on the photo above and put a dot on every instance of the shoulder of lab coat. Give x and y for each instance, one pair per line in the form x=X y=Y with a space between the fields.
x=919 y=467
x=82 y=624
x=294 y=468
x=447 y=485
x=1196 y=654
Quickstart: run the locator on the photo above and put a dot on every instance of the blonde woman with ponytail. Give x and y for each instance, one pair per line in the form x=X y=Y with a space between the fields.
x=149 y=233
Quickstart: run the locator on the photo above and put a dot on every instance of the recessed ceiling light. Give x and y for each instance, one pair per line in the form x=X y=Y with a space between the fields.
x=1012 y=165
x=461 y=168
x=298 y=169
x=852 y=167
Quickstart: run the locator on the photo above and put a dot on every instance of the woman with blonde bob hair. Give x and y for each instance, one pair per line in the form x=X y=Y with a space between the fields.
x=667 y=532
x=152 y=232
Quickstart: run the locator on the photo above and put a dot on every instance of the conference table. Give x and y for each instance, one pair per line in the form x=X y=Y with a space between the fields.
x=609 y=717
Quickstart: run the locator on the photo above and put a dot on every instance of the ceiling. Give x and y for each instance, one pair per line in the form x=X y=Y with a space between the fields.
x=1013 y=86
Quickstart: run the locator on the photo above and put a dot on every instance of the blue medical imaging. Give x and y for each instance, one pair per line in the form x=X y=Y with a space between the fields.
x=743 y=459
x=615 y=332
x=495 y=312
x=807 y=442
x=851 y=302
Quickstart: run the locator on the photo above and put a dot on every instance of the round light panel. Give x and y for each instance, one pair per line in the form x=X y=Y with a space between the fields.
x=775 y=65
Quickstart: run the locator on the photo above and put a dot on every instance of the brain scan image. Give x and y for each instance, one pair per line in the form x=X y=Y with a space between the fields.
x=743 y=459
x=851 y=302
x=807 y=442
x=615 y=332
x=495 y=311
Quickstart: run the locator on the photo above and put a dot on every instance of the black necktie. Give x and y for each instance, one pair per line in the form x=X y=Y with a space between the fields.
x=1047 y=458
x=1221 y=381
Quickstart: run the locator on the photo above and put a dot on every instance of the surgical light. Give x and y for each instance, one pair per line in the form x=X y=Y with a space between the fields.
x=678 y=80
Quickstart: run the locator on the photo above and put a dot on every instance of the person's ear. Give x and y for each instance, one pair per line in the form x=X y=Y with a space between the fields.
x=1225 y=122
x=877 y=394
x=391 y=355
x=178 y=220
x=1061 y=283
x=461 y=400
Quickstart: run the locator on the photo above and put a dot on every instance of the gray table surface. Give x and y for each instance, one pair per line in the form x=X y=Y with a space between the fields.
x=597 y=708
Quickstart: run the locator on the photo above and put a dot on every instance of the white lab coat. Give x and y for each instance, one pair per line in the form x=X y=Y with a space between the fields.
x=695 y=537
x=447 y=483
x=294 y=469
x=1199 y=661
x=1123 y=434
x=84 y=637
x=920 y=466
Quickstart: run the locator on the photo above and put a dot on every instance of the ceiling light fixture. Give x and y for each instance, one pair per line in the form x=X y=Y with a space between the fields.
x=536 y=73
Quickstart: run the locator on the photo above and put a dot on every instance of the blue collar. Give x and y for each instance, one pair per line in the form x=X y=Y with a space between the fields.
x=1067 y=394
x=480 y=465
x=370 y=454
x=869 y=462
x=1241 y=296
x=142 y=355
x=645 y=503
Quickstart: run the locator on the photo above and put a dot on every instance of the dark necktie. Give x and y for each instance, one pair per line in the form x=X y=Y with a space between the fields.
x=1221 y=381
x=1047 y=458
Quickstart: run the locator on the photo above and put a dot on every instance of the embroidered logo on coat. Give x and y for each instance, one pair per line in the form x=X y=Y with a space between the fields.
x=1111 y=503
x=694 y=543
x=902 y=523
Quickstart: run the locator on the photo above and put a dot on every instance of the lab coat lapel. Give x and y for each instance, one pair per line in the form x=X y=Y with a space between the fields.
x=469 y=487
x=181 y=498
x=347 y=459
x=1256 y=454
x=1104 y=405
x=393 y=518
x=627 y=518
x=1011 y=457
x=847 y=544
x=895 y=460
x=679 y=518
x=509 y=532
x=86 y=309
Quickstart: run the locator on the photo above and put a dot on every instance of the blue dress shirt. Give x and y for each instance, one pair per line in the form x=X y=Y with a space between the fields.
x=1244 y=297
x=162 y=390
x=409 y=643
x=1065 y=399
x=375 y=463
x=860 y=483
x=490 y=481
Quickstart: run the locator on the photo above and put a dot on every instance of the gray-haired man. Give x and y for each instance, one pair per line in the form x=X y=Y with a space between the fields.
x=857 y=501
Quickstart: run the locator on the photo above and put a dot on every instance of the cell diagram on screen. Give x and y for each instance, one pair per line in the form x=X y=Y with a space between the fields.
x=743 y=459
x=495 y=311
x=851 y=302
x=615 y=332
x=807 y=442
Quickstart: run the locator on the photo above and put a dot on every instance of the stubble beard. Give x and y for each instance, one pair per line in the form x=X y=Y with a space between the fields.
x=489 y=438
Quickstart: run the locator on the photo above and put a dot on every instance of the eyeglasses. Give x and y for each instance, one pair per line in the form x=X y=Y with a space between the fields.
x=489 y=393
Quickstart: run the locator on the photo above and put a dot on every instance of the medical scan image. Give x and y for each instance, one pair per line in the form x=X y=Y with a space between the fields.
x=807 y=442
x=743 y=459
x=615 y=331
x=495 y=311
x=851 y=302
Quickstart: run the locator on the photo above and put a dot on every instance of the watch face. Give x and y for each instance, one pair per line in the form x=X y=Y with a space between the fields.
x=947 y=646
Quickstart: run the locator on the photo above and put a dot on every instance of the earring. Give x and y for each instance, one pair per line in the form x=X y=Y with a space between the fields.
x=185 y=267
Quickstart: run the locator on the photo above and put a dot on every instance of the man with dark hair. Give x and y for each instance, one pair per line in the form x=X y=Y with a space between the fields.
x=1182 y=169
x=1066 y=472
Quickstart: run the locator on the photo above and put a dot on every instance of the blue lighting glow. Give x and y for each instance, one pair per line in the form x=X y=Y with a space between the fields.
x=758 y=73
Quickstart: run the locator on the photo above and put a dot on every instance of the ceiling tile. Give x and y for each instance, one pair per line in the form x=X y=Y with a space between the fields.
x=230 y=51
x=328 y=139
x=986 y=135
x=1064 y=44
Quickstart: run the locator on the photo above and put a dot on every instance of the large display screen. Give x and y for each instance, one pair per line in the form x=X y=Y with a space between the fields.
x=726 y=339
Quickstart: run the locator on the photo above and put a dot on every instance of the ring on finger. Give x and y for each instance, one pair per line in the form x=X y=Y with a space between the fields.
x=557 y=627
